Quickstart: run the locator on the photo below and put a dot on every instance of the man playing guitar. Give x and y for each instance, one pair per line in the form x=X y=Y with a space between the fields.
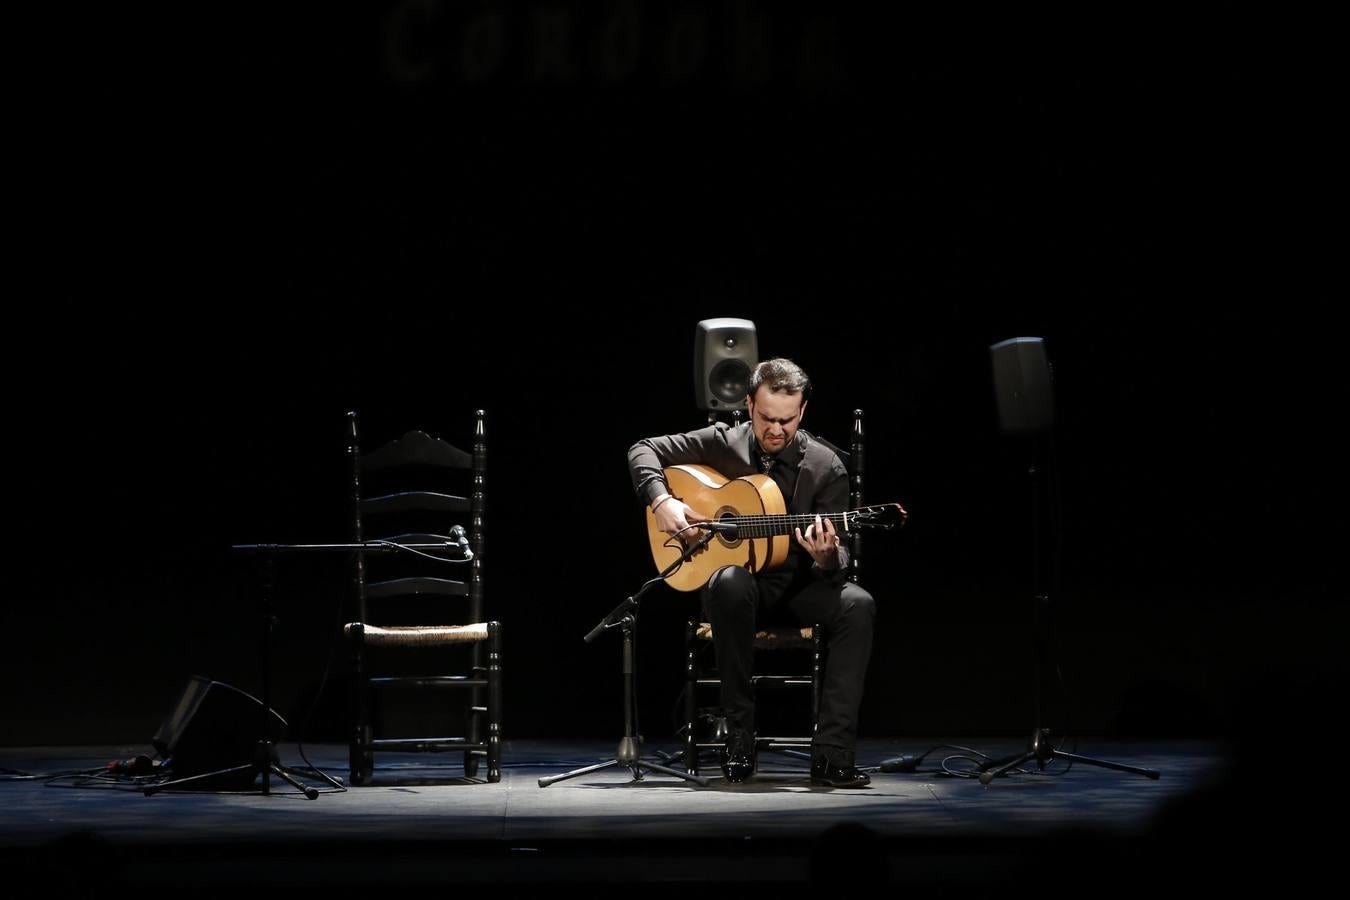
x=804 y=572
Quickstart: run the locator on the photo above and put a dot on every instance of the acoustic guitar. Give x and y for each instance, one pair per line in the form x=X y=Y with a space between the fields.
x=751 y=526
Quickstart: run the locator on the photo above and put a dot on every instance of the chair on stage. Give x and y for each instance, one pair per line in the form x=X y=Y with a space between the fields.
x=418 y=636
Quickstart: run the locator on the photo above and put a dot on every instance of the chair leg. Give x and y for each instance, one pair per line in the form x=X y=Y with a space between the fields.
x=494 y=752
x=690 y=699
x=817 y=681
x=361 y=762
x=474 y=725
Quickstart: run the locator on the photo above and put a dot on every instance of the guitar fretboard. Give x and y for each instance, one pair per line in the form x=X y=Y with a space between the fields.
x=769 y=526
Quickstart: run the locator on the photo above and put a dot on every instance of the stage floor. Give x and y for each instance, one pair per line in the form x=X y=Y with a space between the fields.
x=422 y=822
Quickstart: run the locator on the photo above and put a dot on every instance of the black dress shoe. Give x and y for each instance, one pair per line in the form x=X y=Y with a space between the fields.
x=738 y=756
x=837 y=774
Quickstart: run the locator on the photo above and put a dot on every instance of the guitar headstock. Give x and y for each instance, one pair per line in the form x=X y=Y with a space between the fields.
x=884 y=516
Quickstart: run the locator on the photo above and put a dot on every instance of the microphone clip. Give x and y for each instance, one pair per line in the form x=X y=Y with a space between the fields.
x=461 y=541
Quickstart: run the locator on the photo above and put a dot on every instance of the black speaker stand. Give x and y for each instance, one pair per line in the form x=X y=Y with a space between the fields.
x=1040 y=745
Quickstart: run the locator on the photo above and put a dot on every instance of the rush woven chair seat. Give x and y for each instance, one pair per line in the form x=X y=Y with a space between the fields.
x=418 y=635
x=775 y=638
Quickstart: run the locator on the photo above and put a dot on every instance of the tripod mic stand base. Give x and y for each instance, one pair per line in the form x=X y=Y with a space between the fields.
x=627 y=756
x=637 y=767
x=1044 y=752
x=265 y=762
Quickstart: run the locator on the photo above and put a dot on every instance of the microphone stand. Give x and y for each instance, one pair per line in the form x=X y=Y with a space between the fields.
x=625 y=616
x=266 y=762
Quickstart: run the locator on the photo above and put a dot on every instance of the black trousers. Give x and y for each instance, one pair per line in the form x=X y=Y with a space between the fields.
x=734 y=600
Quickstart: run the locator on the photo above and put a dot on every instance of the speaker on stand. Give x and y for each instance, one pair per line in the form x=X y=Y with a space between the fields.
x=1023 y=388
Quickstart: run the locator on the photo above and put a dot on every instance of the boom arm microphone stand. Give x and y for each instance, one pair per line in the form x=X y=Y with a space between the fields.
x=266 y=761
x=625 y=616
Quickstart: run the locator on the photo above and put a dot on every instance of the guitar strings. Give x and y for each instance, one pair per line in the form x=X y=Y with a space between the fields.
x=751 y=526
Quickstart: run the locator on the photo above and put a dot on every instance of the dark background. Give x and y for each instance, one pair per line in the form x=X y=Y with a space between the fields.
x=246 y=223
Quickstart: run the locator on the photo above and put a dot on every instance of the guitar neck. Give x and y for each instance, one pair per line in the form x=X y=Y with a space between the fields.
x=768 y=526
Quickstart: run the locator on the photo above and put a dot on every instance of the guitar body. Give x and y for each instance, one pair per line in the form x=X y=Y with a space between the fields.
x=718 y=497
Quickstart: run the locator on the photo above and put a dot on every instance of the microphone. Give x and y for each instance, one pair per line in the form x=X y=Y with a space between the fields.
x=906 y=763
x=720 y=527
x=461 y=540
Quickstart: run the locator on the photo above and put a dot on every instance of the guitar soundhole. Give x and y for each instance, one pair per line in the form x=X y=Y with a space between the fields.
x=723 y=513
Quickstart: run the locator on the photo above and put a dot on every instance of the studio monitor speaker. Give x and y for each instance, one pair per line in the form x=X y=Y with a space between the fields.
x=725 y=353
x=1023 y=385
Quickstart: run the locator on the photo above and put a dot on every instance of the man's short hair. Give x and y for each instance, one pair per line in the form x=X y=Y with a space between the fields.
x=783 y=376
